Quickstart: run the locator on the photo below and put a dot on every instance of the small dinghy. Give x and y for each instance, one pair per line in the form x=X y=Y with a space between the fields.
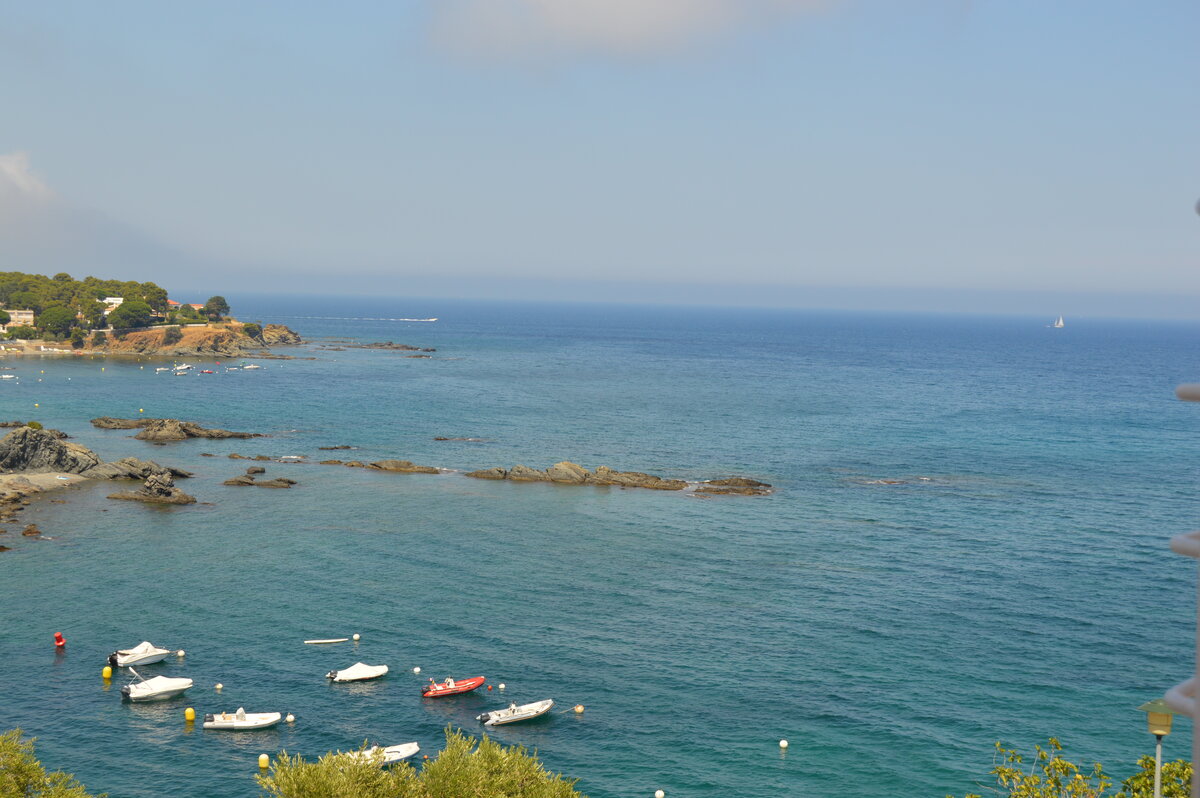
x=391 y=755
x=326 y=641
x=514 y=714
x=144 y=653
x=358 y=672
x=242 y=720
x=451 y=687
x=157 y=689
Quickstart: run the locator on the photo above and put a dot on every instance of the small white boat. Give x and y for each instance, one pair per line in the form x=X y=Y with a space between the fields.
x=161 y=369
x=242 y=720
x=514 y=714
x=1058 y=323
x=391 y=755
x=8 y=376
x=358 y=672
x=145 y=653
x=251 y=366
x=184 y=367
x=324 y=642
x=157 y=689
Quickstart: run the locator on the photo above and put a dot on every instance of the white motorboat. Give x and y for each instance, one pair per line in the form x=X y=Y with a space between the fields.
x=184 y=367
x=391 y=755
x=8 y=376
x=157 y=689
x=326 y=641
x=145 y=653
x=358 y=672
x=251 y=366
x=242 y=720
x=514 y=714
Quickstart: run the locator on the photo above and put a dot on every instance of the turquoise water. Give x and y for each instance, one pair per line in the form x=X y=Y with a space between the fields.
x=1014 y=583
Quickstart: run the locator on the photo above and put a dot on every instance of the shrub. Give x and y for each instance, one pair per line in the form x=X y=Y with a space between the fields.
x=34 y=424
x=172 y=335
x=252 y=330
x=77 y=338
x=23 y=331
x=22 y=775
x=99 y=338
x=461 y=769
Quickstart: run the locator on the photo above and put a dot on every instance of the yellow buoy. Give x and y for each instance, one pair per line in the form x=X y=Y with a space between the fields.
x=189 y=714
x=141 y=410
x=579 y=709
x=35 y=404
x=264 y=761
x=106 y=672
x=218 y=686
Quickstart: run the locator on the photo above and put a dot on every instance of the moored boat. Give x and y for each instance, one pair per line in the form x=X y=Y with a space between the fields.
x=358 y=672
x=159 y=688
x=451 y=687
x=145 y=653
x=242 y=720
x=514 y=714
x=391 y=755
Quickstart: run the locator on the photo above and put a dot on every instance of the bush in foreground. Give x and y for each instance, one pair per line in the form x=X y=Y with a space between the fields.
x=1051 y=775
x=22 y=776
x=462 y=770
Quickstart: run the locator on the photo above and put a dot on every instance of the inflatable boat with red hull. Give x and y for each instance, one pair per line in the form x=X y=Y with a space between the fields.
x=451 y=687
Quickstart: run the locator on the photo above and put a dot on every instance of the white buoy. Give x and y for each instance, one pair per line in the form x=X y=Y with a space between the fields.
x=502 y=685
x=290 y=718
x=356 y=636
x=180 y=653
x=783 y=743
x=659 y=794
x=417 y=669
x=218 y=686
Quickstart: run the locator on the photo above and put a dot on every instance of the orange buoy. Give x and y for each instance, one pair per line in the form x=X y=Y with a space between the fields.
x=489 y=687
x=59 y=640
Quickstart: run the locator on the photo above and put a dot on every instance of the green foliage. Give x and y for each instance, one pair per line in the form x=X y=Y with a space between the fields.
x=461 y=770
x=216 y=307
x=57 y=320
x=4 y=317
x=130 y=315
x=38 y=293
x=34 y=424
x=1176 y=780
x=1052 y=776
x=23 y=331
x=172 y=335
x=22 y=776
x=99 y=338
x=77 y=338
x=252 y=330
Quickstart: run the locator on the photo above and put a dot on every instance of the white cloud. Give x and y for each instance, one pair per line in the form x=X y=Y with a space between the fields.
x=532 y=27
x=18 y=182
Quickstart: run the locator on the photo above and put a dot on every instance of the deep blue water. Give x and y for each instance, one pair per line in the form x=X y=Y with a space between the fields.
x=1013 y=583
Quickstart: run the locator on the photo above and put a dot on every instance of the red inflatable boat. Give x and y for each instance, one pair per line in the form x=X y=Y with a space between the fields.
x=451 y=687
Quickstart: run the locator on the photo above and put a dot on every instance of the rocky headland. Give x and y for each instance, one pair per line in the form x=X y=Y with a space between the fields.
x=157 y=489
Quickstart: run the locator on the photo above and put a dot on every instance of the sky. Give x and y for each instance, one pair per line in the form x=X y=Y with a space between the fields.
x=1004 y=156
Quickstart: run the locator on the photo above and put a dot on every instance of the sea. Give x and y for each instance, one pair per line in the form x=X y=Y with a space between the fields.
x=967 y=543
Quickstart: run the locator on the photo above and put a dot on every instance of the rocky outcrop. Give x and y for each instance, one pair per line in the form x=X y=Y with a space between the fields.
x=247 y=480
x=157 y=489
x=568 y=473
x=389 y=346
x=31 y=531
x=333 y=448
x=256 y=470
x=168 y=429
x=132 y=468
x=740 y=486
x=242 y=480
x=40 y=451
x=279 y=335
x=403 y=467
x=278 y=482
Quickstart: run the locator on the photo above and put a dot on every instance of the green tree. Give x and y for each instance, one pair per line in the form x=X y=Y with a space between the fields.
x=99 y=338
x=77 y=338
x=172 y=335
x=22 y=776
x=24 y=332
x=26 y=300
x=486 y=770
x=4 y=317
x=57 y=320
x=63 y=277
x=93 y=312
x=216 y=307
x=129 y=315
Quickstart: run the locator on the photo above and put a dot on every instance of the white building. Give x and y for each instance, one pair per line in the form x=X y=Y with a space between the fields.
x=18 y=318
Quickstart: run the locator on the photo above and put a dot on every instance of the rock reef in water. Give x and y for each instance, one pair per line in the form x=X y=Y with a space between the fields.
x=157 y=489
x=403 y=467
x=168 y=429
x=30 y=450
x=568 y=473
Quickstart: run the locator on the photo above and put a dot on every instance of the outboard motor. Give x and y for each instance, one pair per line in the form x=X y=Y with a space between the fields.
x=112 y=661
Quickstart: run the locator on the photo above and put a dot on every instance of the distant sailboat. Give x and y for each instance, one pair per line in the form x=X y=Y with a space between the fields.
x=1058 y=323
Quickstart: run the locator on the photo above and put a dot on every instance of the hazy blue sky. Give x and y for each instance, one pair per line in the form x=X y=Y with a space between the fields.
x=1005 y=155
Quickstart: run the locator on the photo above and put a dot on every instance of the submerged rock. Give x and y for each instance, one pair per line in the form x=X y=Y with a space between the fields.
x=403 y=467
x=31 y=531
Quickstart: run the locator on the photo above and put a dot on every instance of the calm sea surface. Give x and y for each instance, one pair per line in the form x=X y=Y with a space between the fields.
x=968 y=543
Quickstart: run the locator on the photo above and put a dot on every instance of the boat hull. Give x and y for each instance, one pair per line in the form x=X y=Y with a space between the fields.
x=145 y=659
x=440 y=690
x=230 y=722
x=527 y=712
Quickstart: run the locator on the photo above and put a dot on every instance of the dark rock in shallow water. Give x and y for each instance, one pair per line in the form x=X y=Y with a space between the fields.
x=333 y=448
x=157 y=489
x=40 y=451
x=171 y=429
x=132 y=468
x=521 y=473
x=331 y=462
x=108 y=422
x=239 y=481
x=403 y=467
x=256 y=470
x=279 y=482
x=31 y=531
x=489 y=473
x=739 y=486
